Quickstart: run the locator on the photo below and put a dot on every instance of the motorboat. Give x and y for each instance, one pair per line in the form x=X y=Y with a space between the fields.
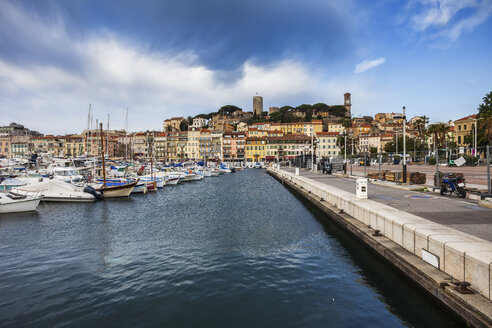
x=13 y=203
x=9 y=183
x=67 y=174
x=57 y=191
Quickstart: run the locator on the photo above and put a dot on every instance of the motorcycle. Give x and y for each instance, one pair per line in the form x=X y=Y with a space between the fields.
x=450 y=184
x=327 y=168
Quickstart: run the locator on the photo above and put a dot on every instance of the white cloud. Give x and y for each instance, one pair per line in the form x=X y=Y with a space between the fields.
x=442 y=19
x=113 y=74
x=369 y=64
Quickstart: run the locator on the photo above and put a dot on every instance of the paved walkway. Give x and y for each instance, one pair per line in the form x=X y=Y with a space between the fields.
x=462 y=215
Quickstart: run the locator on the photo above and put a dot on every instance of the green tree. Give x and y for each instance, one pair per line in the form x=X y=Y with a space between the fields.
x=304 y=108
x=183 y=126
x=228 y=109
x=169 y=128
x=277 y=117
x=484 y=121
x=285 y=109
x=321 y=107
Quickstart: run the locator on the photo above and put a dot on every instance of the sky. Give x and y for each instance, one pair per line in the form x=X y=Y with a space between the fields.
x=160 y=58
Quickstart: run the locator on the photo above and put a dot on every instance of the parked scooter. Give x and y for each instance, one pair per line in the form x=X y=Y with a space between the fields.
x=456 y=185
x=327 y=168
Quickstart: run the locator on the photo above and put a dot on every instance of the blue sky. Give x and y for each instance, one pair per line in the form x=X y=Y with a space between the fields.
x=178 y=58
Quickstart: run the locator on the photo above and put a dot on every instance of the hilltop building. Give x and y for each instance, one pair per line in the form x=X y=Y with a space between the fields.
x=258 y=106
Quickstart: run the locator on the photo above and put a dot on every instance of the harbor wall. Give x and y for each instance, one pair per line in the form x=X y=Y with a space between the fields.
x=404 y=239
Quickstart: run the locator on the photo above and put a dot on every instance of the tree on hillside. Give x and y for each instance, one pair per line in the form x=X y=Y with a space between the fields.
x=338 y=110
x=321 y=107
x=228 y=109
x=183 y=126
x=346 y=122
x=190 y=120
x=285 y=109
x=304 y=108
x=277 y=117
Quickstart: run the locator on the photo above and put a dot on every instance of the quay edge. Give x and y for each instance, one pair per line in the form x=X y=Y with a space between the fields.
x=474 y=309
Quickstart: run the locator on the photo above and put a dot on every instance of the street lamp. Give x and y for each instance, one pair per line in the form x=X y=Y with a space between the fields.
x=404 y=144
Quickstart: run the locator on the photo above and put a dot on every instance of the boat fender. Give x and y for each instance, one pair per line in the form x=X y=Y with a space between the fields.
x=94 y=192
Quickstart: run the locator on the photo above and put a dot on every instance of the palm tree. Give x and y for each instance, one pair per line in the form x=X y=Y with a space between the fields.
x=433 y=131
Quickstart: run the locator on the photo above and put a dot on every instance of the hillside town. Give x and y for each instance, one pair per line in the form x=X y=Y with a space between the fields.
x=235 y=135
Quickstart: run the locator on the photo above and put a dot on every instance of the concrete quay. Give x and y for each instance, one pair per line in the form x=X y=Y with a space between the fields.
x=414 y=236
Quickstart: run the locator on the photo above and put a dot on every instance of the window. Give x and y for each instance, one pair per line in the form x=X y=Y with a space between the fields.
x=464 y=127
x=459 y=139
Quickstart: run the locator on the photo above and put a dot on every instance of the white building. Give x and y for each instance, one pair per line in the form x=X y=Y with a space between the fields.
x=327 y=144
x=199 y=122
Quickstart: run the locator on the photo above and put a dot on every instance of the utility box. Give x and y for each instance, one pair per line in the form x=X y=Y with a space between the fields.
x=297 y=171
x=361 y=188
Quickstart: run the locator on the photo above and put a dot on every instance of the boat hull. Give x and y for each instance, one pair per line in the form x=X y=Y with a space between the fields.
x=23 y=205
x=118 y=191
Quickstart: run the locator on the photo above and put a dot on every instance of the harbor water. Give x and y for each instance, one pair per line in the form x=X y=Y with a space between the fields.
x=238 y=250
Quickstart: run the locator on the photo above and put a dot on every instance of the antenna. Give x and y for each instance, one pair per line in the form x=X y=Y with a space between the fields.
x=107 y=126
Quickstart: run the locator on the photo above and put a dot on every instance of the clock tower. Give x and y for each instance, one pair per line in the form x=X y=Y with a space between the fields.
x=348 y=104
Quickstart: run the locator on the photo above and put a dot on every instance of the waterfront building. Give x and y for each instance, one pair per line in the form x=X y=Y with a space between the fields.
x=368 y=141
x=50 y=144
x=255 y=149
x=5 y=146
x=233 y=146
x=176 y=145
x=215 y=145
x=160 y=146
x=286 y=147
x=74 y=145
x=193 y=143
x=172 y=124
x=19 y=148
x=463 y=127
x=205 y=141
x=327 y=144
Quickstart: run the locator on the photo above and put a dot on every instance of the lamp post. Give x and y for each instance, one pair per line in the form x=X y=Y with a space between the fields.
x=404 y=147
x=404 y=144
x=312 y=148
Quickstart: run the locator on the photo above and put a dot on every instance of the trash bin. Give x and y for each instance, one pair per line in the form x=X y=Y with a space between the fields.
x=361 y=188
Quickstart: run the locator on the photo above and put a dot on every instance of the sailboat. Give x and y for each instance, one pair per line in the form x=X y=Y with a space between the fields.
x=119 y=190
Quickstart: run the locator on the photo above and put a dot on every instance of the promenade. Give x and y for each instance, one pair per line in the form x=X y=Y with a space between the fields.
x=476 y=176
x=463 y=215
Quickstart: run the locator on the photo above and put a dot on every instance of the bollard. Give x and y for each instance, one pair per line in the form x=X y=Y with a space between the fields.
x=297 y=171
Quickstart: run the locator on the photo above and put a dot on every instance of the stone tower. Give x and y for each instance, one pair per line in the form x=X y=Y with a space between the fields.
x=258 y=105
x=348 y=104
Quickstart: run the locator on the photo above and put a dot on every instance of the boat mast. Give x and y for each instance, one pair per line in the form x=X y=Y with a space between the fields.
x=88 y=131
x=102 y=152
x=126 y=135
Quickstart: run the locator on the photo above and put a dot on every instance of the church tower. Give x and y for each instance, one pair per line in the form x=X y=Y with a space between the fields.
x=348 y=104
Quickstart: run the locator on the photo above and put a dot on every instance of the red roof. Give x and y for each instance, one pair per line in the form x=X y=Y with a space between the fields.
x=470 y=117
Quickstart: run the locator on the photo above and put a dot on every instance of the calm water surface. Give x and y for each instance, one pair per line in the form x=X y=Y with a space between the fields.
x=239 y=250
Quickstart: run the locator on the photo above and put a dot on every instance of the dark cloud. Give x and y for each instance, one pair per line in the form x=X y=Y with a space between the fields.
x=222 y=33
